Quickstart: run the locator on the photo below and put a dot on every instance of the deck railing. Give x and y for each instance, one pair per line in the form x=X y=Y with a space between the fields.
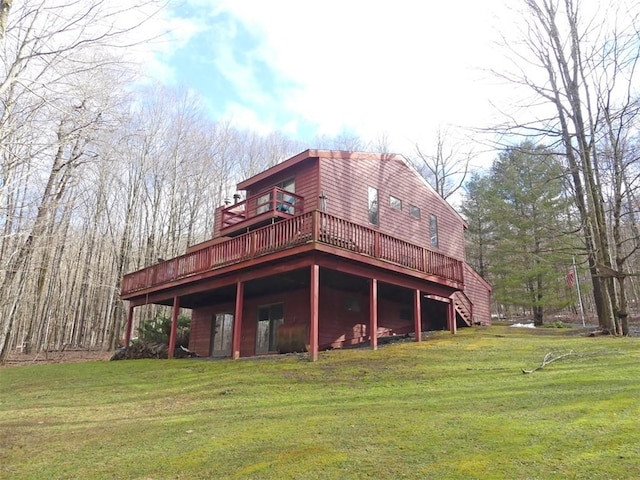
x=273 y=200
x=309 y=227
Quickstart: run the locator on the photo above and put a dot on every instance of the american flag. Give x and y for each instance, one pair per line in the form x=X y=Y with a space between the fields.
x=571 y=278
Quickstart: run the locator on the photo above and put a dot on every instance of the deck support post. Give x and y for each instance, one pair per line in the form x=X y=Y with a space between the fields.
x=451 y=317
x=127 y=331
x=373 y=313
x=314 y=289
x=417 y=315
x=237 y=320
x=174 y=326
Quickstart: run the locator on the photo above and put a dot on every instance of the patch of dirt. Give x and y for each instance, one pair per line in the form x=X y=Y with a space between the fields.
x=68 y=355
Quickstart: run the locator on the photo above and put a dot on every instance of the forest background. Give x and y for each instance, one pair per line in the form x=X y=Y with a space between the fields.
x=103 y=173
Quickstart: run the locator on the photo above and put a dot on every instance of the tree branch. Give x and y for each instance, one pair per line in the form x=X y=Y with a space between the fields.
x=548 y=358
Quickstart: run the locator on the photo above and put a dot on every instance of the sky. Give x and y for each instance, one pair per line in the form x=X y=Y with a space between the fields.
x=399 y=70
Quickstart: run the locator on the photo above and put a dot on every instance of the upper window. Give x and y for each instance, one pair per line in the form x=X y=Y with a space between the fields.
x=414 y=211
x=288 y=185
x=374 y=214
x=395 y=203
x=433 y=228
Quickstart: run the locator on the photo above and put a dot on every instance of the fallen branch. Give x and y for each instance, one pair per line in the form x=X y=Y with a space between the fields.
x=547 y=360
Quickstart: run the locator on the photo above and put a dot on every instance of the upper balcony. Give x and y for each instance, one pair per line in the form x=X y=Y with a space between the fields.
x=312 y=231
x=260 y=209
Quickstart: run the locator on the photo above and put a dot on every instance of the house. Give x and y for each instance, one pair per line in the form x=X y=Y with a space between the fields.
x=327 y=249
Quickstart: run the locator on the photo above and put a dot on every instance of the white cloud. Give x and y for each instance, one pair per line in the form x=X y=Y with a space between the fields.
x=245 y=117
x=400 y=67
x=167 y=35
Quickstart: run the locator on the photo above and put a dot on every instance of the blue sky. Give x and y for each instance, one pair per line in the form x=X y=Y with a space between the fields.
x=393 y=69
x=396 y=69
x=399 y=70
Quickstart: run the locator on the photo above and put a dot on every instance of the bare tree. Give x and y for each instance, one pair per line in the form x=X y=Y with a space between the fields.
x=5 y=8
x=564 y=54
x=446 y=169
x=48 y=123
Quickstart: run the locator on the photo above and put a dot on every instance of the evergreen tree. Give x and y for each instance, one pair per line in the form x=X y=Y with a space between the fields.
x=476 y=209
x=530 y=250
x=519 y=237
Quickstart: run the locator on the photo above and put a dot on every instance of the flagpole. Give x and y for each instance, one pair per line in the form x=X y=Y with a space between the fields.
x=575 y=275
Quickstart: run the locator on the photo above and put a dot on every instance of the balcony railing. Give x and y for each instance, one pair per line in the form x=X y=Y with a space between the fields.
x=274 y=201
x=309 y=227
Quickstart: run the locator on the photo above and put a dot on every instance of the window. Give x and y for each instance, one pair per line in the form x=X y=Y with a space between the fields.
x=222 y=334
x=395 y=203
x=373 y=206
x=270 y=317
x=414 y=211
x=288 y=185
x=433 y=228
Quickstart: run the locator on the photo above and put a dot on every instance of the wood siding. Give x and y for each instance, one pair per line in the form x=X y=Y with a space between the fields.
x=479 y=292
x=201 y=323
x=345 y=182
x=306 y=184
x=344 y=318
x=217 y=221
x=341 y=322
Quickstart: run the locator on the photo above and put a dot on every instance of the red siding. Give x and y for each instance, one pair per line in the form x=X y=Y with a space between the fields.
x=345 y=182
x=200 y=335
x=305 y=174
x=217 y=221
x=338 y=326
x=479 y=292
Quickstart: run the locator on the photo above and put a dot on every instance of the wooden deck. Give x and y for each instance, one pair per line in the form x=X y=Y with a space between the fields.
x=311 y=227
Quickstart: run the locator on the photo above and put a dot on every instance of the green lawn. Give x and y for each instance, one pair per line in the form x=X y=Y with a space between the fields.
x=449 y=407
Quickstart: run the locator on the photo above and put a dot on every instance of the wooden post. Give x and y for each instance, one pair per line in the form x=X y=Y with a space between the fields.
x=373 y=313
x=315 y=227
x=174 y=326
x=237 y=320
x=451 y=318
x=127 y=332
x=314 y=288
x=417 y=315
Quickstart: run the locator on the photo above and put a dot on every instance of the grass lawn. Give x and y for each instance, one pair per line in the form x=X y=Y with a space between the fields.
x=449 y=407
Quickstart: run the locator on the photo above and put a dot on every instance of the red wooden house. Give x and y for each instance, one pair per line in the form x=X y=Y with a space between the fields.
x=327 y=249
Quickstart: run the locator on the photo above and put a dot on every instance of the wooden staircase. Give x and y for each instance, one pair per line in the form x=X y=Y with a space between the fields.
x=463 y=307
